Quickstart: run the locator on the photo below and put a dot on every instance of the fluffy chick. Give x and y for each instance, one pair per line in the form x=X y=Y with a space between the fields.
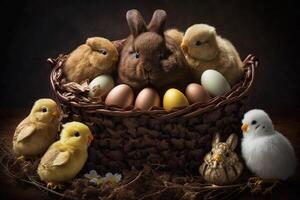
x=267 y=153
x=175 y=35
x=97 y=56
x=66 y=157
x=38 y=130
x=204 y=49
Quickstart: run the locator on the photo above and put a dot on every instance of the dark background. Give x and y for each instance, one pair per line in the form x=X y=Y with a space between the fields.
x=32 y=31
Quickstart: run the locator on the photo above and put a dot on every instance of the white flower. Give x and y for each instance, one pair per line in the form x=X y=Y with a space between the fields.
x=98 y=180
x=94 y=177
x=92 y=174
x=112 y=178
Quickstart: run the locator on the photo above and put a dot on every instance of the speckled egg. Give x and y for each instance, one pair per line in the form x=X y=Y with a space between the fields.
x=101 y=85
x=121 y=96
x=147 y=98
x=196 y=93
x=214 y=82
x=173 y=98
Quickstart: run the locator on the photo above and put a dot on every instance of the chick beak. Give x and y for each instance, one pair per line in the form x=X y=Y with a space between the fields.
x=184 y=48
x=56 y=114
x=90 y=139
x=244 y=128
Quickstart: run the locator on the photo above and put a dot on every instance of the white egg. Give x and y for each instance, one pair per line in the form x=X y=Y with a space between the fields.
x=214 y=82
x=101 y=85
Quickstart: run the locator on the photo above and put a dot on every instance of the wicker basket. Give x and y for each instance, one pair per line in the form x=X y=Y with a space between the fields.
x=176 y=140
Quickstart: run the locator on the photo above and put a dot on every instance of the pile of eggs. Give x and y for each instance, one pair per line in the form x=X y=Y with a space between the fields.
x=213 y=84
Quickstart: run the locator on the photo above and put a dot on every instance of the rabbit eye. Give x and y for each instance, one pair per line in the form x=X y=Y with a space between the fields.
x=136 y=55
x=44 y=109
x=253 y=122
x=198 y=43
x=161 y=56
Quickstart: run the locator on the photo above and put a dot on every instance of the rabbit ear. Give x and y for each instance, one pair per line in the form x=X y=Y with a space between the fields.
x=232 y=141
x=135 y=22
x=216 y=140
x=157 y=23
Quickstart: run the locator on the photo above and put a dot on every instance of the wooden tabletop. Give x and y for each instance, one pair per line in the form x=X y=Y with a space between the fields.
x=286 y=122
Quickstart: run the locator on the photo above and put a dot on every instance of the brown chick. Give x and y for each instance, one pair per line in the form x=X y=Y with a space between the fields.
x=204 y=49
x=97 y=56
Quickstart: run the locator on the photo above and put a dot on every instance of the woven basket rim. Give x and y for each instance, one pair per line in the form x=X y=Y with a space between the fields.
x=237 y=92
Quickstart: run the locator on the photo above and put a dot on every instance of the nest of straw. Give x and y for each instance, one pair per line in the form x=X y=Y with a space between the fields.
x=143 y=184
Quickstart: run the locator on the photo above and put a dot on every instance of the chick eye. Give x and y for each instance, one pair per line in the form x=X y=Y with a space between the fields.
x=136 y=55
x=44 y=109
x=198 y=43
x=76 y=134
x=253 y=122
x=103 y=52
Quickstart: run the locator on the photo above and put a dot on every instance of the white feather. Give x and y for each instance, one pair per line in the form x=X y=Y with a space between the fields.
x=268 y=155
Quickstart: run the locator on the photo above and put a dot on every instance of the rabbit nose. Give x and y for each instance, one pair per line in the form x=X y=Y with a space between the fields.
x=147 y=68
x=217 y=157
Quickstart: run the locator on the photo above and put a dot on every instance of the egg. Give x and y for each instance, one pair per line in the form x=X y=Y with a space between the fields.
x=196 y=93
x=147 y=98
x=214 y=82
x=121 y=95
x=101 y=85
x=173 y=98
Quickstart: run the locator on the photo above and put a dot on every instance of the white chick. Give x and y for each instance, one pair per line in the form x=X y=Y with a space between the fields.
x=267 y=153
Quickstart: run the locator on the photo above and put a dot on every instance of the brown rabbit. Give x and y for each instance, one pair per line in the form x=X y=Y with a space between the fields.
x=149 y=58
x=222 y=165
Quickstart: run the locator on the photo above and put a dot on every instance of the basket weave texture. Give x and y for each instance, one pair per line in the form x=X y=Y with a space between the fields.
x=129 y=137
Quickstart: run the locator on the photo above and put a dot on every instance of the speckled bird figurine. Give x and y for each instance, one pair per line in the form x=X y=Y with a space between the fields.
x=222 y=165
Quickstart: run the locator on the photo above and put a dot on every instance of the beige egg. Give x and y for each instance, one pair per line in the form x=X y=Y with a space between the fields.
x=121 y=95
x=147 y=98
x=196 y=93
x=214 y=82
x=101 y=85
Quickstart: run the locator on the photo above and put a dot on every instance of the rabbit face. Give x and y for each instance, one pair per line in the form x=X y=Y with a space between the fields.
x=140 y=63
x=148 y=58
x=222 y=155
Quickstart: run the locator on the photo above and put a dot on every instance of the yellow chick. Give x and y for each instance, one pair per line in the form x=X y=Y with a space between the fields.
x=66 y=157
x=204 y=49
x=97 y=56
x=175 y=35
x=38 y=130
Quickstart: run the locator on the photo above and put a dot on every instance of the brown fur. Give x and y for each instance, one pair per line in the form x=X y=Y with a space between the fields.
x=88 y=61
x=175 y=34
x=160 y=63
